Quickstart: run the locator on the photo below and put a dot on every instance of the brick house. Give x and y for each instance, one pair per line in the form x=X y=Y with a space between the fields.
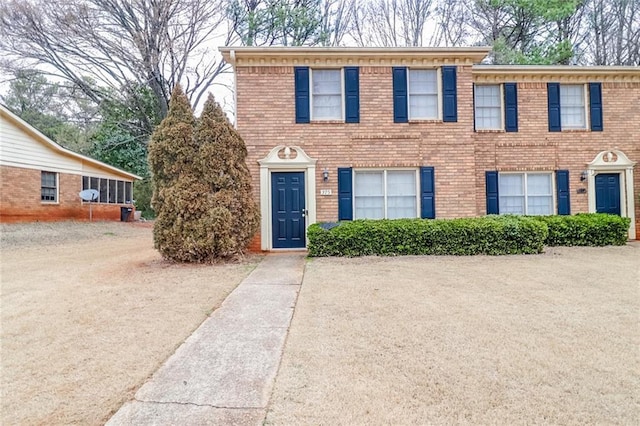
x=348 y=133
x=41 y=181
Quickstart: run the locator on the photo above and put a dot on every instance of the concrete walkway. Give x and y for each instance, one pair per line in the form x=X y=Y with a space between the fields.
x=224 y=372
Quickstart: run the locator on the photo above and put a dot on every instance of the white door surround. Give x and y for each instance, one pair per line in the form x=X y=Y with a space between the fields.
x=614 y=161
x=285 y=159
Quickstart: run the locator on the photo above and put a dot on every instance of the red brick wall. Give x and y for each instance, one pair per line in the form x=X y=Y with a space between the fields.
x=533 y=147
x=20 y=199
x=266 y=118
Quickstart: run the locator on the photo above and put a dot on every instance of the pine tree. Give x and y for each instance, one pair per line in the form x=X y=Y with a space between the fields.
x=202 y=185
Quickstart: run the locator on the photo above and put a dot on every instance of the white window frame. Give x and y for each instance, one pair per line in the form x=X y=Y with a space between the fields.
x=384 y=189
x=586 y=101
x=342 y=94
x=57 y=188
x=475 y=105
x=439 y=94
x=554 y=207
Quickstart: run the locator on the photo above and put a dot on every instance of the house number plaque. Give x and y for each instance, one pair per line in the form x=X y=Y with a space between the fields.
x=325 y=192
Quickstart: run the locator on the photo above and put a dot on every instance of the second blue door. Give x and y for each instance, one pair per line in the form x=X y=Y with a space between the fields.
x=608 y=193
x=288 y=208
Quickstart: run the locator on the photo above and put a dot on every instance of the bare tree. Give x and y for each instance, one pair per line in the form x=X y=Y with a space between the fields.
x=283 y=22
x=451 y=23
x=337 y=18
x=612 y=33
x=120 y=44
x=392 y=23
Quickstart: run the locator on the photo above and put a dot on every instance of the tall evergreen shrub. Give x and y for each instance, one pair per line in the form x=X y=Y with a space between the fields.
x=202 y=191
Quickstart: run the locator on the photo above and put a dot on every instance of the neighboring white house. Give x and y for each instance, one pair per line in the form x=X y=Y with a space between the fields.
x=41 y=181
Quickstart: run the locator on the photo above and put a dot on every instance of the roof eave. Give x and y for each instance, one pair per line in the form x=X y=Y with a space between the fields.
x=64 y=151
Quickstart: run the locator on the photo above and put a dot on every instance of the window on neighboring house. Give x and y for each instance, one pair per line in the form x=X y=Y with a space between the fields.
x=423 y=94
x=385 y=194
x=326 y=94
x=111 y=191
x=526 y=193
x=572 y=106
x=49 y=186
x=488 y=107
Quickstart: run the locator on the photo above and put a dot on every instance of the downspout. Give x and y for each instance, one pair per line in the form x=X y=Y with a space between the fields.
x=232 y=56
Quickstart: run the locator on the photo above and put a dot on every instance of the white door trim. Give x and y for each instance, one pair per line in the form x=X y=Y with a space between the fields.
x=614 y=161
x=285 y=159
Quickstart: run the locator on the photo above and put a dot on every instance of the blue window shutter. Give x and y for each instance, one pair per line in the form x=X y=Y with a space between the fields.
x=553 y=105
x=449 y=95
x=562 y=187
x=493 y=206
x=427 y=193
x=510 y=107
x=595 y=106
x=473 y=97
x=352 y=94
x=301 y=75
x=345 y=196
x=400 y=108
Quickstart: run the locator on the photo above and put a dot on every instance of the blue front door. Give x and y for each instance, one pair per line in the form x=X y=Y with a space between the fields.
x=288 y=208
x=608 y=193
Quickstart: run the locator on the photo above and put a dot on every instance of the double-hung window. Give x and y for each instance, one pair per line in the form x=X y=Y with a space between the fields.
x=326 y=94
x=575 y=107
x=423 y=94
x=49 y=187
x=573 y=110
x=385 y=194
x=526 y=193
x=488 y=107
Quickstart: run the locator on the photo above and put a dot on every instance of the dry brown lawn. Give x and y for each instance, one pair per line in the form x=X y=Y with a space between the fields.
x=89 y=311
x=546 y=339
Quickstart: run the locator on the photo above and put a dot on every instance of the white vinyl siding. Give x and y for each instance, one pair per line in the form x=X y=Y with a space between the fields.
x=23 y=148
x=385 y=194
x=526 y=193
x=572 y=106
x=49 y=187
x=488 y=107
x=326 y=94
x=423 y=94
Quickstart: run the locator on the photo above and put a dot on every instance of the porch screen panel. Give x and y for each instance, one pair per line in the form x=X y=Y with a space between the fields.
x=104 y=190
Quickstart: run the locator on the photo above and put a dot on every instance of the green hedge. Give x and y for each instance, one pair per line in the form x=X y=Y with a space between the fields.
x=586 y=229
x=492 y=235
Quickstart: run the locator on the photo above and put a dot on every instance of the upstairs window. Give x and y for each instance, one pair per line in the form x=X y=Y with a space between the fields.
x=488 y=107
x=49 y=187
x=423 y=94
x=575 y=107
x=326 y=94
x=572 y=106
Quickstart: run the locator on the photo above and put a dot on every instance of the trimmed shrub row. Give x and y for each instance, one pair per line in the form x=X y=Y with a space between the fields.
x=492 y=235
x=489 y=235
x=592 y=229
